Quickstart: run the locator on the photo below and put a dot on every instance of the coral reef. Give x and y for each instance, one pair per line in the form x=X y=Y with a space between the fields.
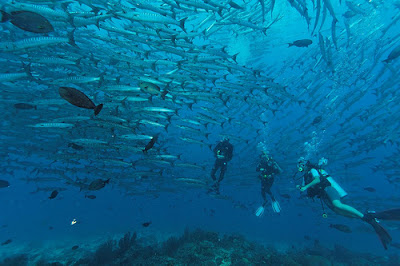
x=206 y=248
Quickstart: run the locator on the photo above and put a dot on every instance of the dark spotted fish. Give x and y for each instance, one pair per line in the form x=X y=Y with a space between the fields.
x=24 y=106
x=75 y=247
x=8 y=241
x=150 y=144
x=98 y=184
x=75 y=146
x=79 y=99
x=90 y=196
x=301 y=43
x=152 y=89
x=317 y=120
x=370 y=189
x=146 y=224
x=341 y=227
x=28 y=21
x=53 y=194
x=4 y=183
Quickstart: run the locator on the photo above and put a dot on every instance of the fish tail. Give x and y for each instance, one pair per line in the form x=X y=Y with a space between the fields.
x=5 y=16
x=27 y=69
x=163 y=94
x=72 y=38
x=385 y=61
x=290 y=44
x=101 y=80
x=234 y=57
x=182 y=24
x=97 y=109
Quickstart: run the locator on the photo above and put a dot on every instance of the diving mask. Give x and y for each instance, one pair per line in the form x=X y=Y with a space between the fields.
x=300 y=167
x=301 y=164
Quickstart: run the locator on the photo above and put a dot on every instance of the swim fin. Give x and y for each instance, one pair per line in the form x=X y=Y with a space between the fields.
x=393 y=214
x=260 y=211
x=383 y=235
x=275 y=206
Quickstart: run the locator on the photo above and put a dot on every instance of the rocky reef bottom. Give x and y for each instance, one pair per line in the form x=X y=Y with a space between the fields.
x=199 y=247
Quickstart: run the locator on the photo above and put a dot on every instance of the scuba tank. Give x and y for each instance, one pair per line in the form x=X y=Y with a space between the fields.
x=334 y=184
x=339 y=189
x=323 y=162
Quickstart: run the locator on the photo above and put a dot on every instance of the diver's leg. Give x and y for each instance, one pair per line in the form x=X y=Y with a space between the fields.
x=269 y=184
x=223 y=170
x=214 y=170
x=332 y=197
x=264 y=191
x=346 y=210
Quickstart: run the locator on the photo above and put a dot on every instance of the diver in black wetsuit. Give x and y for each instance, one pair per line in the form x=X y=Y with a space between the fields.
x=223 y=153
x=268 y=168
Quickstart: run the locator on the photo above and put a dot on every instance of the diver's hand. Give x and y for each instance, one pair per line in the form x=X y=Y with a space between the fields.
x=301 y=188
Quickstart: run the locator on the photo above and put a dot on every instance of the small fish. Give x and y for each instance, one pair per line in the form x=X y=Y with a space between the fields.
x=25 y=106
x=98 y=184
x=79 y=99
x=90 y=196
x=51 y=227
x=52 y=125
x=28 y=21
x=370 y=189
x=341 y=227
x=393 y=54
x=395 y=245
x=4 y=183
x=146 y=224
x=301 y=43
x=150 y=144
x=75 y=146
x=8 y=241
x=53 y=194
x=317 y=120
x=75 y=247
x=286 y=196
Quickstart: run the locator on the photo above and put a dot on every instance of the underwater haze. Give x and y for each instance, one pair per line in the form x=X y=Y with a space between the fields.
x=112 y=111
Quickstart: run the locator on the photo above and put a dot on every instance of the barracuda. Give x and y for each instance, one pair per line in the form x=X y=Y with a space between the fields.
x=42 y=10
x=52 y=61
x=36 y=42
x=52 y=125
x=153 y=18
x=123 y=88
x=12 y=76
x=158 y=109
x=135 y=137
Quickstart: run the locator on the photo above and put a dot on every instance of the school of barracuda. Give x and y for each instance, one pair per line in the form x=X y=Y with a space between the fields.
x=172 y=83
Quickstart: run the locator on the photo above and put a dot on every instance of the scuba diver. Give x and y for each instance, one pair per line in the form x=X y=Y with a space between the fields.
x=317 y=182
x=268 y=168
x=223 y=153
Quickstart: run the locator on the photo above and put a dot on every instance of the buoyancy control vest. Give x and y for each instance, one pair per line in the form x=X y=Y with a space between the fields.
x=317 y=189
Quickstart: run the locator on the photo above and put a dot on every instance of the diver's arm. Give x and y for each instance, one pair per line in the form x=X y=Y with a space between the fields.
x=278 y=168
x=315 y=181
